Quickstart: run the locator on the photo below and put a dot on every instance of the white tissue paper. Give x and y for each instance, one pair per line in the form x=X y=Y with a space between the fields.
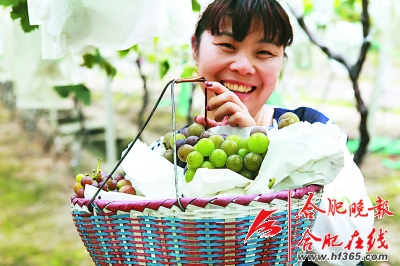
x=150 y=173
x=298 y=155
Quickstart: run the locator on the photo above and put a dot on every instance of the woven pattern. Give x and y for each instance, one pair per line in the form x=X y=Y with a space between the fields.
x=159 y=233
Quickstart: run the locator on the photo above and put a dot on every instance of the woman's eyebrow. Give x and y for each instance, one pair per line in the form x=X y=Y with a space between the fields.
x=226 y=33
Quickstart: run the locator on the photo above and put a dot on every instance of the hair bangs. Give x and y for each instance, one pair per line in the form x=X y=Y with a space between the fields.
x=246 y=16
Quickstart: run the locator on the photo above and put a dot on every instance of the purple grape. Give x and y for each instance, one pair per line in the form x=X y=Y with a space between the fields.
x=184 y=131
x=192 y=140
x=206 y=134
x=258 y=129
x=179 y=143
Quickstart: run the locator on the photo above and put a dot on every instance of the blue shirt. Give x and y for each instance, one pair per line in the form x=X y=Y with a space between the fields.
x=304 y=113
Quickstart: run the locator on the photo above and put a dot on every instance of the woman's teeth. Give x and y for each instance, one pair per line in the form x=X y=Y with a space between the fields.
x=238 y=88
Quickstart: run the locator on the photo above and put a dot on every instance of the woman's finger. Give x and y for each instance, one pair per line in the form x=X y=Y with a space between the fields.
x=210 y=122
x=223 y=95
x=239 y=119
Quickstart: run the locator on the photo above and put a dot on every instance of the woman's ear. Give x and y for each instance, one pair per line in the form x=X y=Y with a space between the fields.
x=195 y=49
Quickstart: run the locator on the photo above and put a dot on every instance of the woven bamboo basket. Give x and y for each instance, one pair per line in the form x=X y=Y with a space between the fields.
x=193 y=231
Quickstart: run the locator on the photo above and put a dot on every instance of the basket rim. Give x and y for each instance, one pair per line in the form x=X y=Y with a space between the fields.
x=222 y=201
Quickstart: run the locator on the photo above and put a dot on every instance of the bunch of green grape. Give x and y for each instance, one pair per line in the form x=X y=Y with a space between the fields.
x=199 y=148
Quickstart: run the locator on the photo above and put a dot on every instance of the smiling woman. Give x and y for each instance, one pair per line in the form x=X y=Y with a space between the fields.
x=240 y=45
x=239 y=48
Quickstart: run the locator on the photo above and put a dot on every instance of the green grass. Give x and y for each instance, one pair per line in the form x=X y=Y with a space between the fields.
x=36 y=227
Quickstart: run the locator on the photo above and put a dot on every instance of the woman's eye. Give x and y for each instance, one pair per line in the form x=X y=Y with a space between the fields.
x=264 y=53
x=227 y=46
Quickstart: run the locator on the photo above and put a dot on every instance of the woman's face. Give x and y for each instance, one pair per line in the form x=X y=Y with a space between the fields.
x=249 y=68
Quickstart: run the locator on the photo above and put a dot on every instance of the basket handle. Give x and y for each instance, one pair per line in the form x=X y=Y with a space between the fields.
x=172 y=83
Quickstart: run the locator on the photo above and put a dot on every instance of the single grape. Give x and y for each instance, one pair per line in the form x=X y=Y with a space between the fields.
x=190 y=174
x=207 y=164
x=234 y=137
x=271 y=182
x=166 y=138
x=79 y=177
x=258 y=142
x=184 y=131
x=169 y=155
x=77 y=187
x=128 y=189
x=179 y=143
x=205 y=146
x=287 y=119
x=118 y=177
x=178 y=137
x=195 y=130
x=183 y=151
x=194 y=159
x=218 y=158
x=252 y=161
x=111 y=184
x=243 y=144
x=81 y=193
x=122 y=183
x=206 y=134
x=86 y=180
x=243 y=152
x=247 y=173
x=192 y=140
x=234 y=162
x=230 y=147
x=217 y=139
x=258 y=129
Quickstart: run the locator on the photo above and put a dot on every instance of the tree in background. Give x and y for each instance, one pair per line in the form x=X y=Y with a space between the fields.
x=347 y=10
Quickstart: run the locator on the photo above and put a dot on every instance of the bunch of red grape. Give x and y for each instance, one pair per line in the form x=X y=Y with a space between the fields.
x=116 y=183
x=200 y=148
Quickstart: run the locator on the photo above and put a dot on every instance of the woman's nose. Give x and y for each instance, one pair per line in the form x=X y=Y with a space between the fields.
x=243 y=64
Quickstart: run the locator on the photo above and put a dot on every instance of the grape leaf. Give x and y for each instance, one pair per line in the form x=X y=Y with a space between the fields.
x=164 y=67
x=195 y=6
x=20 y=11
x=63 y=91
x=10 y=2
x=88 y=60
x=188 y=71
x=80 y=91
x=123 y=53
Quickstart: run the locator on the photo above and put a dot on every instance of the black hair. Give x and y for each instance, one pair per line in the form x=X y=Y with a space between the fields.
x=269 y=13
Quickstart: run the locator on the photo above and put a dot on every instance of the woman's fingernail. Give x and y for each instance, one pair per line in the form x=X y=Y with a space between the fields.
x=195 y=118
x=208 y=83
x=208 y=107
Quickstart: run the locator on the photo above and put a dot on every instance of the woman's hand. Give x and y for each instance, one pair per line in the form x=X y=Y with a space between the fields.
x=228 y=109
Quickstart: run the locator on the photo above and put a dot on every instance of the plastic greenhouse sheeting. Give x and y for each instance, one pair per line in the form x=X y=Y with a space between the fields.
x=116 y=25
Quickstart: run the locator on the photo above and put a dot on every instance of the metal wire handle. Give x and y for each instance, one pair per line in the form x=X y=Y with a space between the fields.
x=172 y=83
